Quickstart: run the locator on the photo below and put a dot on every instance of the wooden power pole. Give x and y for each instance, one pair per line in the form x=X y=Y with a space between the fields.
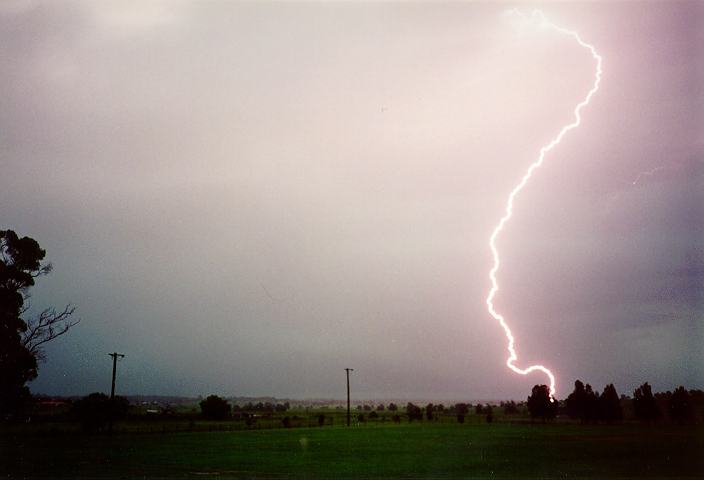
x=114 y=356
x=348 y=370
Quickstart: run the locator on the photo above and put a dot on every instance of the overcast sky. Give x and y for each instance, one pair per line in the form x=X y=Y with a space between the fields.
x=246 y=198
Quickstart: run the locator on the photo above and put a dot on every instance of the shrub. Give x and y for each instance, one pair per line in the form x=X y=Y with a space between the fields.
x=95 y=410
x=215 y=408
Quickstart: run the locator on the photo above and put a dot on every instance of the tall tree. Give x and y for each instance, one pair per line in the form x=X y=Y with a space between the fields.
x=680 y=405
x=610 y=410
x=540 y=405
x=576 y=401
x=591 y=404
x=21 y=340
x=644 y=404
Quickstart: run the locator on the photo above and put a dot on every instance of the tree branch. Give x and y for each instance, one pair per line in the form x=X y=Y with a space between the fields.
x=47 y=326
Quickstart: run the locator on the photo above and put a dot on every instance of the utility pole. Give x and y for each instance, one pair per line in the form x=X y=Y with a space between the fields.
x=114 y=356
x=348 y=370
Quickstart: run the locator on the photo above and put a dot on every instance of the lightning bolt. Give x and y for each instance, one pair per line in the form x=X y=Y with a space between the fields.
x=536 y=17
x=648 y=173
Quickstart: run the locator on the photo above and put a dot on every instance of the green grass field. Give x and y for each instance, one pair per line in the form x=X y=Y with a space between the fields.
x=424 y=450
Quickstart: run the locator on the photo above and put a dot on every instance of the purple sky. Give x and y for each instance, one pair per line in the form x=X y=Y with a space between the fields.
x=245 y=198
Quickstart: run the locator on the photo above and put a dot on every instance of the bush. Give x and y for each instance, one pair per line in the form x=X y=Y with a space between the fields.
x=215 y=408
x=95 y=410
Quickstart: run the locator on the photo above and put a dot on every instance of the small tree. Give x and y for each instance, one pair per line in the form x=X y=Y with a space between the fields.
x=414 y=412
x=393 y=407
x=510 y=408
x=489 y=410
x=215 y=408
x=429 y=411
x=540 y=405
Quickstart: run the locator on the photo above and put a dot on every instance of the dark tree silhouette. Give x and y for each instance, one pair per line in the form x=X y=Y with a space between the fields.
x=462 y=408
x=575 y=403
x=215 y=408
x=94 y=410
x=21 y=340
x=510 y=407
x=414 y=412
x=489 y=410
x=429 y=411
x=644 y=405
x=591 y=404
x=380 y=407
x=610 y=410
x=540 y=405
x=680 y=406
x=583 y=403
x=393 y=407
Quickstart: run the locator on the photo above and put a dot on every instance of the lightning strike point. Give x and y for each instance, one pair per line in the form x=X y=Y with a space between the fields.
x=540 y=19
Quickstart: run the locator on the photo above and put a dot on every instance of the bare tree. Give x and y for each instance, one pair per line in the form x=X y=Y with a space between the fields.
x=45 y=327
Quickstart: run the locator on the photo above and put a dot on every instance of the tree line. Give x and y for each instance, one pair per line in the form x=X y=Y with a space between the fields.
x=589 y=406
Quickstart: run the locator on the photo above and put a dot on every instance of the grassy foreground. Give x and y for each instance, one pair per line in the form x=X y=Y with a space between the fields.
x=409 y=451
